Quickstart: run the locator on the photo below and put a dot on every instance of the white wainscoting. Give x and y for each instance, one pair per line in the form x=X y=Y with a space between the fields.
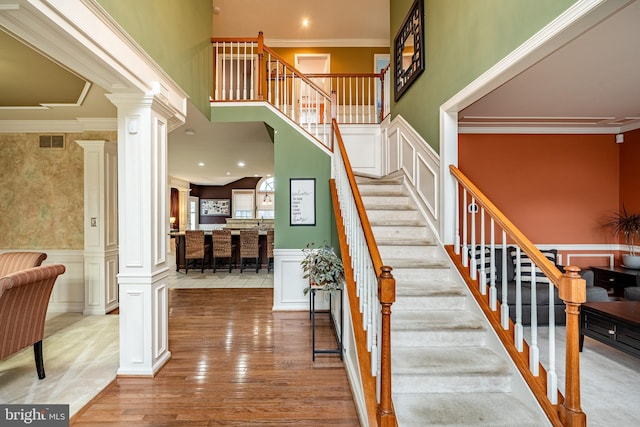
x=407 y=151
x=364 y=147
x=68 y=292
x=289 y=283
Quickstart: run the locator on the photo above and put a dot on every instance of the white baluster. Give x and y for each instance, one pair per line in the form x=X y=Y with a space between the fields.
x=519 y=334
x=534 y=351
x=224 y=71
x=483 y=270
x=504 y=306
x=552 y=375
x=244 y=73
x=492 y=288
x=474 y=266
x=216 y=94
x=463 y=212
x=254 y=64
x=457 y=217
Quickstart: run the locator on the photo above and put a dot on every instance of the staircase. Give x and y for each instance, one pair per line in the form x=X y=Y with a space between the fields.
x=443 y=371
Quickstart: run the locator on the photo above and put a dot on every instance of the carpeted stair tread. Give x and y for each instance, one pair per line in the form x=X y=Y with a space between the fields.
x=389 y=207
x=445 y=361
x=397 y=222
x=464 y=409
x=435 y=320
x=432 y=288
x=434 y=263
x=406 y=241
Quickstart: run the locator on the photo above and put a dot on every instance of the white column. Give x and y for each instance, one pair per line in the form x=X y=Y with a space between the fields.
x=100 y=226
x=143 y=197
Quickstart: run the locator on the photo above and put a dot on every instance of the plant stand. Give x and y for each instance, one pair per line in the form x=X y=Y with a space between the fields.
x=312 y=315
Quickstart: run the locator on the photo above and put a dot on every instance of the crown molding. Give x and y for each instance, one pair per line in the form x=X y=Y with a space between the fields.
x=62 y=126
x=327 y=42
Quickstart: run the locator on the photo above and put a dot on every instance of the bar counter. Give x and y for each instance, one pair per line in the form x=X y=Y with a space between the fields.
x=208 y=257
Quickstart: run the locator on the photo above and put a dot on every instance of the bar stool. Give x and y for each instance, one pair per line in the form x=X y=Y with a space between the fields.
x=222 y=247
x=270 y=243
x=194 y=248
x=249 y=248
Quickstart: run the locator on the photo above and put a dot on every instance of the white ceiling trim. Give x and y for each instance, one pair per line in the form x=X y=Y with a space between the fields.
x=538 y=130
x=81 y=36
x=65 y=126
x=327 y=43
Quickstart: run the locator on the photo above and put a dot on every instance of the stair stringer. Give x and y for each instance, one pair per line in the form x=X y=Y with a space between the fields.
x=517 y=385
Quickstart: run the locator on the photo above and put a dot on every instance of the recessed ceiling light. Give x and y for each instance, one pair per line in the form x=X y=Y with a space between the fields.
x=228 y=173
x=305 y=22
x=190 y=131
x=241 y=164
x=268 y=175
x=200 y=164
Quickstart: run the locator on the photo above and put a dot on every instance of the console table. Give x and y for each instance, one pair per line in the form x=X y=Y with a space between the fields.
x=312 y=314
x=615 y=279
x=615 y=323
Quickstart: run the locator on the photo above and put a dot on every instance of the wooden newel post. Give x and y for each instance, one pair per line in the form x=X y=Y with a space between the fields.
x=573 y=292
x=261 y=67
x=387 y=296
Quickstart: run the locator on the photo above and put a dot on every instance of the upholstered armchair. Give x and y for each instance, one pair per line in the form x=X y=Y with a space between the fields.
x=24 y=298
x=14 y=261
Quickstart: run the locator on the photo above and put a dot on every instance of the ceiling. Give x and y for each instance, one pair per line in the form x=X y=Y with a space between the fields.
x=590 y=83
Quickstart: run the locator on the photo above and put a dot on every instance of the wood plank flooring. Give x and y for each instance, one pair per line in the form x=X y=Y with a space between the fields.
x=234 y=362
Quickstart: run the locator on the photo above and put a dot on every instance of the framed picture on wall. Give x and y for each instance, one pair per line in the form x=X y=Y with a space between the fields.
x=215 y=207
x=408 y=49
x=303 y=201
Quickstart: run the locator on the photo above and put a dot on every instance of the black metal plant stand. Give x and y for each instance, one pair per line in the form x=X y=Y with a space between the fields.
x=312 y=314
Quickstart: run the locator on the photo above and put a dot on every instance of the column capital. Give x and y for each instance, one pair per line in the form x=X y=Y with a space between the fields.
x=153 y=100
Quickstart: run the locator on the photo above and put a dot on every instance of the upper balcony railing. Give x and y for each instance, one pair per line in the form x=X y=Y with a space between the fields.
x=247 y=70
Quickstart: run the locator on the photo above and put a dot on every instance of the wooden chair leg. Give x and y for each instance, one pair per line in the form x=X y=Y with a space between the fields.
x=37 y=352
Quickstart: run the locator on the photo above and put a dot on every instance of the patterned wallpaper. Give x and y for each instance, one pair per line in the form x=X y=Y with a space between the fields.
x=41 y=192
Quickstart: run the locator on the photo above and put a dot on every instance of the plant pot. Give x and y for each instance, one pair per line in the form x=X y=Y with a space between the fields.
x=631 y=261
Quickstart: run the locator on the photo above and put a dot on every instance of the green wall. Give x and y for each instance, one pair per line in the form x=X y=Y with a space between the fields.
x=464 y=38
x=294 y=157
x=177 y=36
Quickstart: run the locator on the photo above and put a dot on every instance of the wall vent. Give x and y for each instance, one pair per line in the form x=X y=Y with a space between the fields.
x=52 y=141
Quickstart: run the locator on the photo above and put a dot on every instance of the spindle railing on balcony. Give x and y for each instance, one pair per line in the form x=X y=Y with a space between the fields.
x=481 y=229
x=247 y=70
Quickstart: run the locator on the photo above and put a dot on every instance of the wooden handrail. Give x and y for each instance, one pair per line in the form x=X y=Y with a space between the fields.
x=298 y=73
x=368 y=234
x=547 y=267
x=571 y=289
x=364 y=362
x=386 y=287
x=328 y=75
x=234 y=39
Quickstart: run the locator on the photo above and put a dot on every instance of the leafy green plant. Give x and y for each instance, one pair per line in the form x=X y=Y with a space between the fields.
x=323 y=267
x=627 y=224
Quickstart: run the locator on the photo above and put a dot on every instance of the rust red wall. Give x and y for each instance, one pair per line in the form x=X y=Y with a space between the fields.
x=630 y=171
x=558 y=189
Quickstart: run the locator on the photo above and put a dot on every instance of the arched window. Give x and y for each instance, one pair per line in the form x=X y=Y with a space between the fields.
x=265 y=198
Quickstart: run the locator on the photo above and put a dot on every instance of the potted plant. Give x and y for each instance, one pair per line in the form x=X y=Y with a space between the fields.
x=627 y=224
x=323 y=267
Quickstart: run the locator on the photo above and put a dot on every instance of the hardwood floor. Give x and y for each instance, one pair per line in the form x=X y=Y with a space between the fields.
x=234 y=362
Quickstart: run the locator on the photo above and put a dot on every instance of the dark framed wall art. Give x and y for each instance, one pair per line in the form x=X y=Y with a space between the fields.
x=215 y=207
x=303 y=201
x=408 y=50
